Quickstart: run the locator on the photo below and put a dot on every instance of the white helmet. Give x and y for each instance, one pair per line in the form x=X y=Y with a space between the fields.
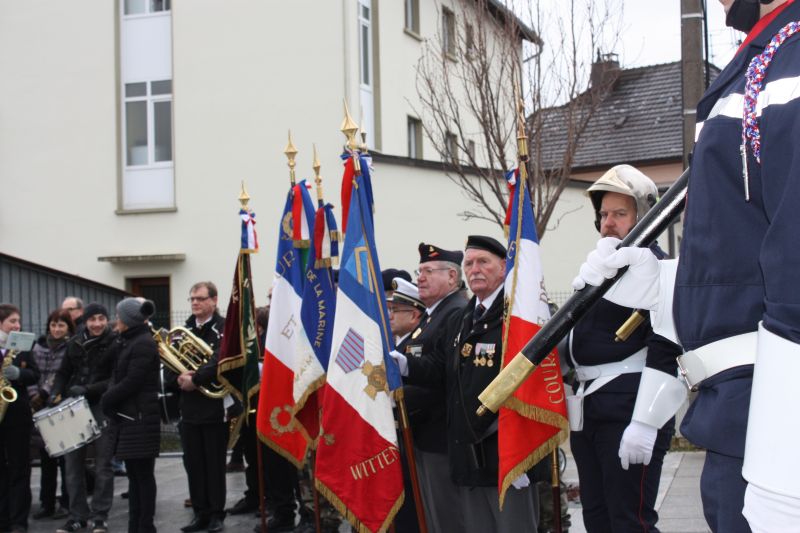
x=627 y=180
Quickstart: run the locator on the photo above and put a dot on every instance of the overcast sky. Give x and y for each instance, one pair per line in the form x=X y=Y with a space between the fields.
x=651 y=32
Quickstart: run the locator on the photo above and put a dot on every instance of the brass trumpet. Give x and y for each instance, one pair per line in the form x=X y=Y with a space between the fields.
x=7 y=392
x=182 y=351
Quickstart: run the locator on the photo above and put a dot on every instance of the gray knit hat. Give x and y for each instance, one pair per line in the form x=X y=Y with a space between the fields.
x=134 y=311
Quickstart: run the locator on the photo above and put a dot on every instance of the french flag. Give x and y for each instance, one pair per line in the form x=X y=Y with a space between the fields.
x=358 y=461
x=285 y=346
x=533 y=420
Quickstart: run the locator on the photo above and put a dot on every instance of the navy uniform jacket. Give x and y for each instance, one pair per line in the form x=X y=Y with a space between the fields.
x=739 y=260
x=471 y=440
x=426 y=410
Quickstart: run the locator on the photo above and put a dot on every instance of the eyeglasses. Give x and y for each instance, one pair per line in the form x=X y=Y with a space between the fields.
x=197 y=298
x=428 y=271
x=396 y=311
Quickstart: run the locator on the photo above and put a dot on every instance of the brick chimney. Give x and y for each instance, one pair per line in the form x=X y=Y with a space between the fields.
x=605 y=71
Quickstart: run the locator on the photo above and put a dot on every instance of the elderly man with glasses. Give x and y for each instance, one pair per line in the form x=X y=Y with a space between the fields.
x=439 y=284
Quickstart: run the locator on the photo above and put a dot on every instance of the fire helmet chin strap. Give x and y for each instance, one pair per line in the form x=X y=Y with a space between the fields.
x=743 y=14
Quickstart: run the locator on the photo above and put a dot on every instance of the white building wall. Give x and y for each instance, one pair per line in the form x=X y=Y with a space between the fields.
x=244 y=73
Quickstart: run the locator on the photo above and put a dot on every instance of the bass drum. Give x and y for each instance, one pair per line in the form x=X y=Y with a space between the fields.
x=168 y=397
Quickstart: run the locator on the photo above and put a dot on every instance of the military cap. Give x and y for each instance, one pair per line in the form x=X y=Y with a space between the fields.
x=482 y=242
x=429 y=252
x=390 y=273
x=406 y=293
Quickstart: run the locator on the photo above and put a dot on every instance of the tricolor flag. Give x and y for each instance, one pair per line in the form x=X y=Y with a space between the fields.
x=358 y=461
x=286 y=344
x=534 y=420
x=317 y=314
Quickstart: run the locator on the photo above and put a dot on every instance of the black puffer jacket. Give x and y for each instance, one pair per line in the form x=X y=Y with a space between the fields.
x=131 y=401
x=87 y=363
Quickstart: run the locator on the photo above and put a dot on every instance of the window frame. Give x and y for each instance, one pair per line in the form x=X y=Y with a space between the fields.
x=150 y=100
x=411 y=16
x=148 y=9
x=448 y=32
x=414 y=133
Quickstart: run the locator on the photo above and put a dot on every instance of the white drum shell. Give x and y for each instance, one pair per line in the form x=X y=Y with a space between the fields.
x=66 y=426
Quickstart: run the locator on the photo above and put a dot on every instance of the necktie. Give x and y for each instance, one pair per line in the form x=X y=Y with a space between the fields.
x=478 y=313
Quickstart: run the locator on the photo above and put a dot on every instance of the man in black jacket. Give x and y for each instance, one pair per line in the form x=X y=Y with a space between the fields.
x=463 y=362
x=439 y=283
x=203 y=429
x=85 y=371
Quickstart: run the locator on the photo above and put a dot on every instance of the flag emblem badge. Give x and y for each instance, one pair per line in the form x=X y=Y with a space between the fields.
x=351 y=353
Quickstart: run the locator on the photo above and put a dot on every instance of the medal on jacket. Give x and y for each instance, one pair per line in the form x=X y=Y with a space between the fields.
x=466 y=350
x=490 y=354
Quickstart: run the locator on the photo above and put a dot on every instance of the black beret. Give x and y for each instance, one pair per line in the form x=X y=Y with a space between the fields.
x=482 y=242
x=390 y=273
x=429 y=252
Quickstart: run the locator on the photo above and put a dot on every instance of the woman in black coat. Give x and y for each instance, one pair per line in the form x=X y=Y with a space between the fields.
x=131 y=404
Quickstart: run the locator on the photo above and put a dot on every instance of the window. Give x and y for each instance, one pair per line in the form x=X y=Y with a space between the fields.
x=448 y=32
x=148 y=123
x=365 y=42
x=143 y=7
x=471 y=150
x=414 y=138
x=469 y=38
x=412 y=15
x=450 y=147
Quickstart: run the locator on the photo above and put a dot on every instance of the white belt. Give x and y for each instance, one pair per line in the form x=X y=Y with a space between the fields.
x=606 y=372
x=711 y=359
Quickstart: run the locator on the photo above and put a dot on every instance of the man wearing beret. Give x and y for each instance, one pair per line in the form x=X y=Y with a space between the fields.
x=463 y=362
x=438 y=279
x=85 y=371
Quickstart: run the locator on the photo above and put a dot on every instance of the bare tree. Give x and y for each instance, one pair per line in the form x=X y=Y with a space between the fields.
x=466 y=83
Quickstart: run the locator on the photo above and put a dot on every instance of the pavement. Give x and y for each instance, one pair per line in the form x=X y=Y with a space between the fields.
x=678 y=502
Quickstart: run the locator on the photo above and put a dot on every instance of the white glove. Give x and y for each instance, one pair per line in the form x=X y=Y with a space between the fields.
x=521 y=482
x=637 y=289
x=637 y=444
x=401 y=360
x=595 y=271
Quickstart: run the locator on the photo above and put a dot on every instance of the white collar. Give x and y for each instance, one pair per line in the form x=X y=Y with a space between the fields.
x=487 y=303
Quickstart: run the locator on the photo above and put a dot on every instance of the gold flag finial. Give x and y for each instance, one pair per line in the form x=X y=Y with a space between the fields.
x=522 y=137
x=244 y=198
x=291 y=153
x=349 y=128
x=317 y=178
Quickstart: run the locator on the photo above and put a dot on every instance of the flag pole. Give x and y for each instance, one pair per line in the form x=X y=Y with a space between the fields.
x=555 y=487
x=523 y=157
x=408 y=441
x=316 y=165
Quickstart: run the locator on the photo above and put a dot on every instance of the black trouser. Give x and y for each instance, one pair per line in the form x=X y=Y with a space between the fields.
x=250 y=442
x=406 y=519
x=616 y=500
x=141 y=494
x=204 y=453
x=49 y=484
x=15 y=476
x=280 y=483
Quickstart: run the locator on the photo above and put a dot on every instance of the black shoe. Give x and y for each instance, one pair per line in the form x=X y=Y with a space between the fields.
x=197 y=524
x=280 y=524
x=215 y=525
x=99 y=526
x=124 y=495
x=242 y=507
x=60 y=513
x=44 y=512
x=71 y=526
